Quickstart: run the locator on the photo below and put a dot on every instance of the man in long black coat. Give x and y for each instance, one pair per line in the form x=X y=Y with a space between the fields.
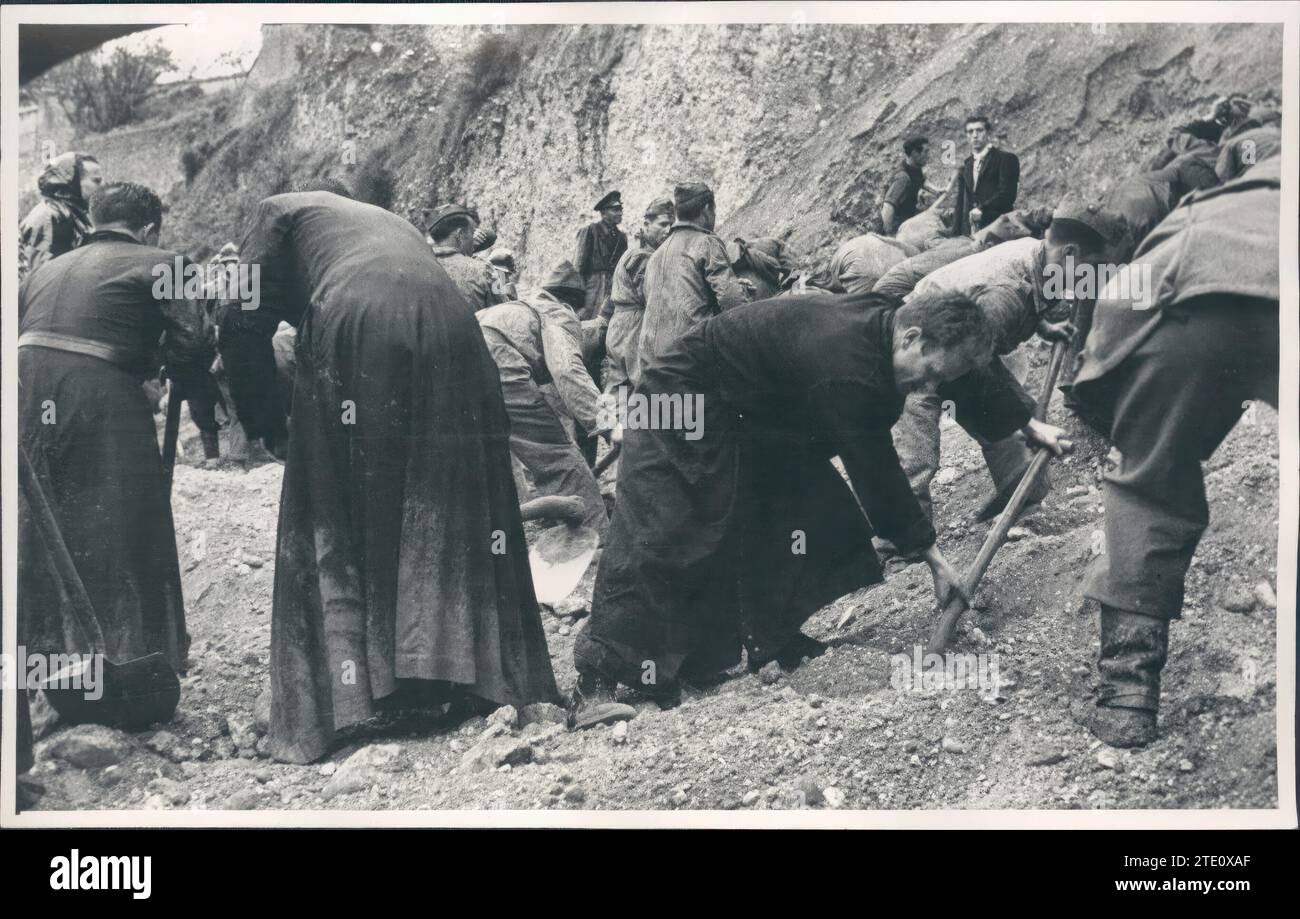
x=401 y=554
x=91 y=325
x=733 y=528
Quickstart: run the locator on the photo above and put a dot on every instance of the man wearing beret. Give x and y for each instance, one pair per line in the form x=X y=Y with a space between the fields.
x=537 y=341
x=452 y=228
x=1167 y=377
x=689 y=278
x=1012 y=285
x=600 y=245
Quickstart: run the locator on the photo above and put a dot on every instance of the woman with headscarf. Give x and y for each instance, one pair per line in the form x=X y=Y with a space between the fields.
x=61 y=220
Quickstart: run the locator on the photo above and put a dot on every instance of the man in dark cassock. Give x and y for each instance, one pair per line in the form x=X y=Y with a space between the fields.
x=730 y=532
x=400 y=560
x=600 y=245
x=92 y=323
x=1167 y=379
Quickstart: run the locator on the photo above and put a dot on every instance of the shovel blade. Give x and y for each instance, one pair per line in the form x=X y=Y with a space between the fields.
x=559 y=558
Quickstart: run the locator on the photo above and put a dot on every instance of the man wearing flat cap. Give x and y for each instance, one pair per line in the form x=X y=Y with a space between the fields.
x=535 y=341
x=689 y=277
x=626 y=306
x=600 y=245
x=1024 y=286
x=1167 y=376
x=453 y=228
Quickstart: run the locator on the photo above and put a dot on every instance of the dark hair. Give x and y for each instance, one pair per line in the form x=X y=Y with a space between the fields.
x=333 y=186
x=947 y=320
x=912 y=144
x=1064 y=230
x=692 y=209
x=658 y=210
x=971 y=119
x=126 y=202
x=450 y=225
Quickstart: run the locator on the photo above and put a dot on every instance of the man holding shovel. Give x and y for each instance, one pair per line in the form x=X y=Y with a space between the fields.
x=1024 y=287
x=731 y=535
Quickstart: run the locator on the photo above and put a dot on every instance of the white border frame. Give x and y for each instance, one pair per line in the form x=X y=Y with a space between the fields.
x=1286 y=13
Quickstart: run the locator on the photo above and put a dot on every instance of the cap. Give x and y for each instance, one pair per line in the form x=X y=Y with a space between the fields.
x=503 y=258
x=686 y=195
x=448 y=211
x=661 y=205
x=613 y=199
x=1110 y=226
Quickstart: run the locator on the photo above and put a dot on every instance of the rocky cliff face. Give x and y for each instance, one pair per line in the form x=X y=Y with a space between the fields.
x=796 y=127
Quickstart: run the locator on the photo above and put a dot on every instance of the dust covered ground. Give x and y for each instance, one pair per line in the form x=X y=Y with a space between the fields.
x=833 y=733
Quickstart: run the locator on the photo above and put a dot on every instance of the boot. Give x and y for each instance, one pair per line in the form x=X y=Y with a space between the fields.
x=1134 y=648
x=211 y=444
x=593 y=703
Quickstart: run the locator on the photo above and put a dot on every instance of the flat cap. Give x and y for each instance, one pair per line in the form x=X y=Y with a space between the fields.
x=448 y=211
x=613 y=199
x=565 y=278
x=1109 y=225
x=502 y=257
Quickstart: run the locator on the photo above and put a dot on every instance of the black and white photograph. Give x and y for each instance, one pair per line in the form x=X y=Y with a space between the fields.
x=650 y=415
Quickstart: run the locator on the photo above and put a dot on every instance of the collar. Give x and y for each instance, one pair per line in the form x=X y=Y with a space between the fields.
x=687 y=225
x=105 y=235
x=887 y=347
x=983 y=153
x=442 y=250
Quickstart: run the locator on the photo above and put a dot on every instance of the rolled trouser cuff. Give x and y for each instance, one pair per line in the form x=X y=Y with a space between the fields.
x=1133 y=651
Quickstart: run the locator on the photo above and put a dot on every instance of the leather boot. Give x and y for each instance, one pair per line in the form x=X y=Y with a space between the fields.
x=593 y=702
x=1133 y=652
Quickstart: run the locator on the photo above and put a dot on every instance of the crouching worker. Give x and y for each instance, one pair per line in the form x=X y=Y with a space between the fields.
x=538 y=341
x=731 y=531
x=1168 y=377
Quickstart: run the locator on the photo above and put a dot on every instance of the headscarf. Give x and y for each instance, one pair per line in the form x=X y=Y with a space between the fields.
x=61 y=181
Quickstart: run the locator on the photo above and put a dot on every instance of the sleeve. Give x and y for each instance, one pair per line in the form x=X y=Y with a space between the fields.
x=35 y=236
x=1010 y=312
x=989 y=402
x=898 y=281
x=562 y=352
x=866 y=447
x=961 y=204
x=719 y=276
x=896 y=191
x=244 y=336
x=1008 y=184
x=582 y=256
x=189 y=339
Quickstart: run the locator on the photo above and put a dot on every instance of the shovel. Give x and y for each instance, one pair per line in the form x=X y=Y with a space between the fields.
x=1009 y=511
x=132 y=694
x=561 y=555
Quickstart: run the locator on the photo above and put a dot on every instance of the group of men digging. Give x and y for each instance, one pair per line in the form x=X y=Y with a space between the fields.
x=402 y=573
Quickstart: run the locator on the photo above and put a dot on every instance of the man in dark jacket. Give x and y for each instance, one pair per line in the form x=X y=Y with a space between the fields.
x=732 y=526
x=600 y=245
x=988 y=182
x=60 y=220
x=1168 y=377
x=400 y=560
x=689 y=277
x=92 y=321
